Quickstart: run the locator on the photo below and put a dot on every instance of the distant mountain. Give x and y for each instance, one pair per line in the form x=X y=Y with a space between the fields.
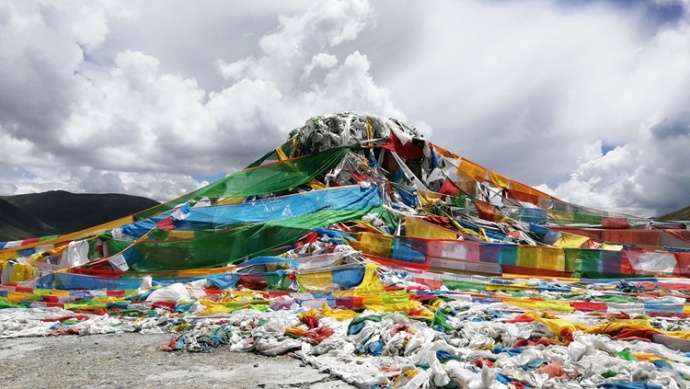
x=16 y=224
x=59 y=212
x=681 y=214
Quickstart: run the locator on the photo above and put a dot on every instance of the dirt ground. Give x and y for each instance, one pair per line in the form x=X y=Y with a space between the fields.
x=135 y=361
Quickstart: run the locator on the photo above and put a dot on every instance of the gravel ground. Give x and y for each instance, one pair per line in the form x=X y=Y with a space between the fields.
x=135 y=361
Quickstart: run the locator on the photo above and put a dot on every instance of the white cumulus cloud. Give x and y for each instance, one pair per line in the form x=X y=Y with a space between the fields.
x=587 y=99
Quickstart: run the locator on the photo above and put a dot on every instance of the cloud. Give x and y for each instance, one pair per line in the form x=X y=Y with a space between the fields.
x=587 y=99
x=526 y=88
x=90 y=180
x=128 y=125
x=321 y=60
x=645 y=178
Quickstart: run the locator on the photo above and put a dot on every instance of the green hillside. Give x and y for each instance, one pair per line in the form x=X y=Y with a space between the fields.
x=681 y=214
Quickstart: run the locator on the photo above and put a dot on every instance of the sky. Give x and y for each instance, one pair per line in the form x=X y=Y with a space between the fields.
x=586 y=100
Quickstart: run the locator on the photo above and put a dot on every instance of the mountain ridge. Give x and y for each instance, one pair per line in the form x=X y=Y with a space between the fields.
x=59 y=212
x=681 y=214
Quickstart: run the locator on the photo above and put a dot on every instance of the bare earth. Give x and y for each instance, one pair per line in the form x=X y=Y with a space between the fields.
x=135 y=361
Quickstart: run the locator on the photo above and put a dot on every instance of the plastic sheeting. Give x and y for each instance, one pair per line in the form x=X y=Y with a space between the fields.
x=399 y=281
x=271 y=178
x=376 y=334
x=263 y=210
x=227 y=247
